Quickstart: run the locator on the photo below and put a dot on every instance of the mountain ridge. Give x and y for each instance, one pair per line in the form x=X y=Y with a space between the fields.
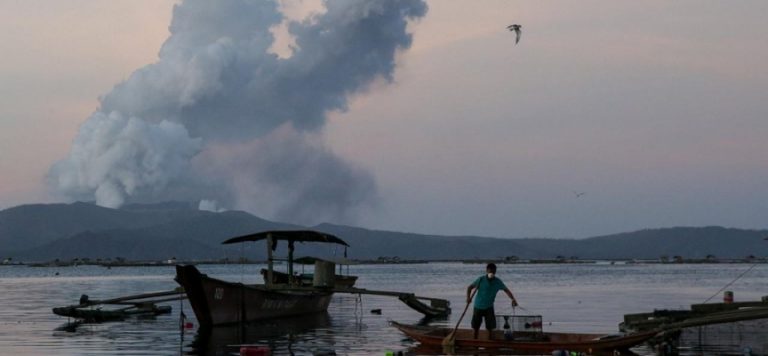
x=177 y=229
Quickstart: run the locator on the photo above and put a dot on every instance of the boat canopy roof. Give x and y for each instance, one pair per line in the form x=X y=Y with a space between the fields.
x=289 y=235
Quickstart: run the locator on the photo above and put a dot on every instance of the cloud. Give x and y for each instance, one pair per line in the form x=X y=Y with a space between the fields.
x=217 y=90
x=124 y=157
x=210 y=205
x=291 y=176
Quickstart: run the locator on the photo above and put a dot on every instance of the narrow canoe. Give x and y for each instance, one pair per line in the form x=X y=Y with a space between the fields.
x=102 y=315
x=544 y=342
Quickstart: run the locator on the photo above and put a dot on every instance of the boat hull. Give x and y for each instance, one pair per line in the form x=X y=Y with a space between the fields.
x=432 y=336
x=218 y=302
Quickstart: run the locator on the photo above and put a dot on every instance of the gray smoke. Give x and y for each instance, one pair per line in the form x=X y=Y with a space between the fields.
x=220 y=119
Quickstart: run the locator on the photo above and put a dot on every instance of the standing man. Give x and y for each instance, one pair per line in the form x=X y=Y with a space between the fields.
x=487 y=287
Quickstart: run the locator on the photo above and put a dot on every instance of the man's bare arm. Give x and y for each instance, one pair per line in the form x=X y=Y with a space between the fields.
x=511 y=297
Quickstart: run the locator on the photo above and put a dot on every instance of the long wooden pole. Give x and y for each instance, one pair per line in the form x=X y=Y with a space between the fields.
x=450 y=340
x=136 y=296
x=161 y=300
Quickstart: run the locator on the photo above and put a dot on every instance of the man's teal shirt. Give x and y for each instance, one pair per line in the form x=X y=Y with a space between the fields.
x=486 y=291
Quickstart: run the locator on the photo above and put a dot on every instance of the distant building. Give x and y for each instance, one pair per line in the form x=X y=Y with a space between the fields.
x=388 y=259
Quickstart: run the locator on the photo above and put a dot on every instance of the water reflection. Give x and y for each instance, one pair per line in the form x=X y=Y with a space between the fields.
x=280 y=335
x=573 y=298
x=444 y=350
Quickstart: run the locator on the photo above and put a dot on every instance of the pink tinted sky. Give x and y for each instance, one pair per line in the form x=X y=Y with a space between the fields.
x=657 y=110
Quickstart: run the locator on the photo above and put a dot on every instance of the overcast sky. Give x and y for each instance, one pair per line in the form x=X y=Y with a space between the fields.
x=657 y=111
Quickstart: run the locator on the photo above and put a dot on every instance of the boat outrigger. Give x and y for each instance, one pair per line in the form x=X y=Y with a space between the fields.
x=218 y=302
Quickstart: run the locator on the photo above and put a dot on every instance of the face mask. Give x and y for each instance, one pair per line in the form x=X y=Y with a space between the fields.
x=490 y=275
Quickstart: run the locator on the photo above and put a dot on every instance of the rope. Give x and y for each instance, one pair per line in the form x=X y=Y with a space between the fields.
x=731 y=282
x=242 y=262
x=524 y=310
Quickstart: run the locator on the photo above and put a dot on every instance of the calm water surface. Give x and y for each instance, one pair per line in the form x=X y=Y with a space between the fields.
x=578 y=298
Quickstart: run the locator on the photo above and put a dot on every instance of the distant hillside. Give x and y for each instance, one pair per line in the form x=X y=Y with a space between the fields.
x=133 y=232
x=121 y=244
x=28 y=226
x=689 y=242
x=372 y=244
x=679 y=241
x=159 y=231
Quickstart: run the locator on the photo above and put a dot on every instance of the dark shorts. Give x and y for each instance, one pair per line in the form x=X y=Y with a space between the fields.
x=488 y=315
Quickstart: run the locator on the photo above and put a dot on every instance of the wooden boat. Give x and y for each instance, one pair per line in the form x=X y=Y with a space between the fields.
x=103 y=315
x=138 y=305
x=525 y=342
x=218 y=302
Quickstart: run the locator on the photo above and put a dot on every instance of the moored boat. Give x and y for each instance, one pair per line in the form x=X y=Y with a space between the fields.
x=219 y=302
x=102 y=315
x=543 y=342
x=137 y=305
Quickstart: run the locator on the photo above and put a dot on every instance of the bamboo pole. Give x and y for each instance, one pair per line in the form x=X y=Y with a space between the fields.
x=132 y=297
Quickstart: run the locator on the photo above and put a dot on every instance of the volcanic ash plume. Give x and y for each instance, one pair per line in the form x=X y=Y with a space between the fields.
x=217 y=97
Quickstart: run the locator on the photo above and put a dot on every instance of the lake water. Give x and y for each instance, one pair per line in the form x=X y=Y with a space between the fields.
x=570 y=297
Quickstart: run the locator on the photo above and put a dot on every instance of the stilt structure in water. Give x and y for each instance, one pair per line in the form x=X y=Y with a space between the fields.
x=698 y=315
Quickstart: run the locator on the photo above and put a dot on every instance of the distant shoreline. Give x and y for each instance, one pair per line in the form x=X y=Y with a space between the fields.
x=167 y=263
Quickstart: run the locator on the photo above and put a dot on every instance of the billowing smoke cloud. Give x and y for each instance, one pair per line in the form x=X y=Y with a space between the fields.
x=300 y=180
x=220 y=119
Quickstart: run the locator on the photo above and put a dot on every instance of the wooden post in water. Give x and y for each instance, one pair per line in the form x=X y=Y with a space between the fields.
x=269 y=260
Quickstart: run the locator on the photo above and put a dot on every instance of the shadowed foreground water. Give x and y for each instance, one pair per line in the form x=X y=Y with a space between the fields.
x=578 y=298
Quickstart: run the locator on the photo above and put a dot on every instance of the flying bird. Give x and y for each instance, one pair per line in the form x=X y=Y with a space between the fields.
x=516 y=28
x=578 y=194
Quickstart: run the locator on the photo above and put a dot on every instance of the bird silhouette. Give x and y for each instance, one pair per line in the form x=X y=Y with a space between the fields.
x=578 y=194
x=517 y=30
